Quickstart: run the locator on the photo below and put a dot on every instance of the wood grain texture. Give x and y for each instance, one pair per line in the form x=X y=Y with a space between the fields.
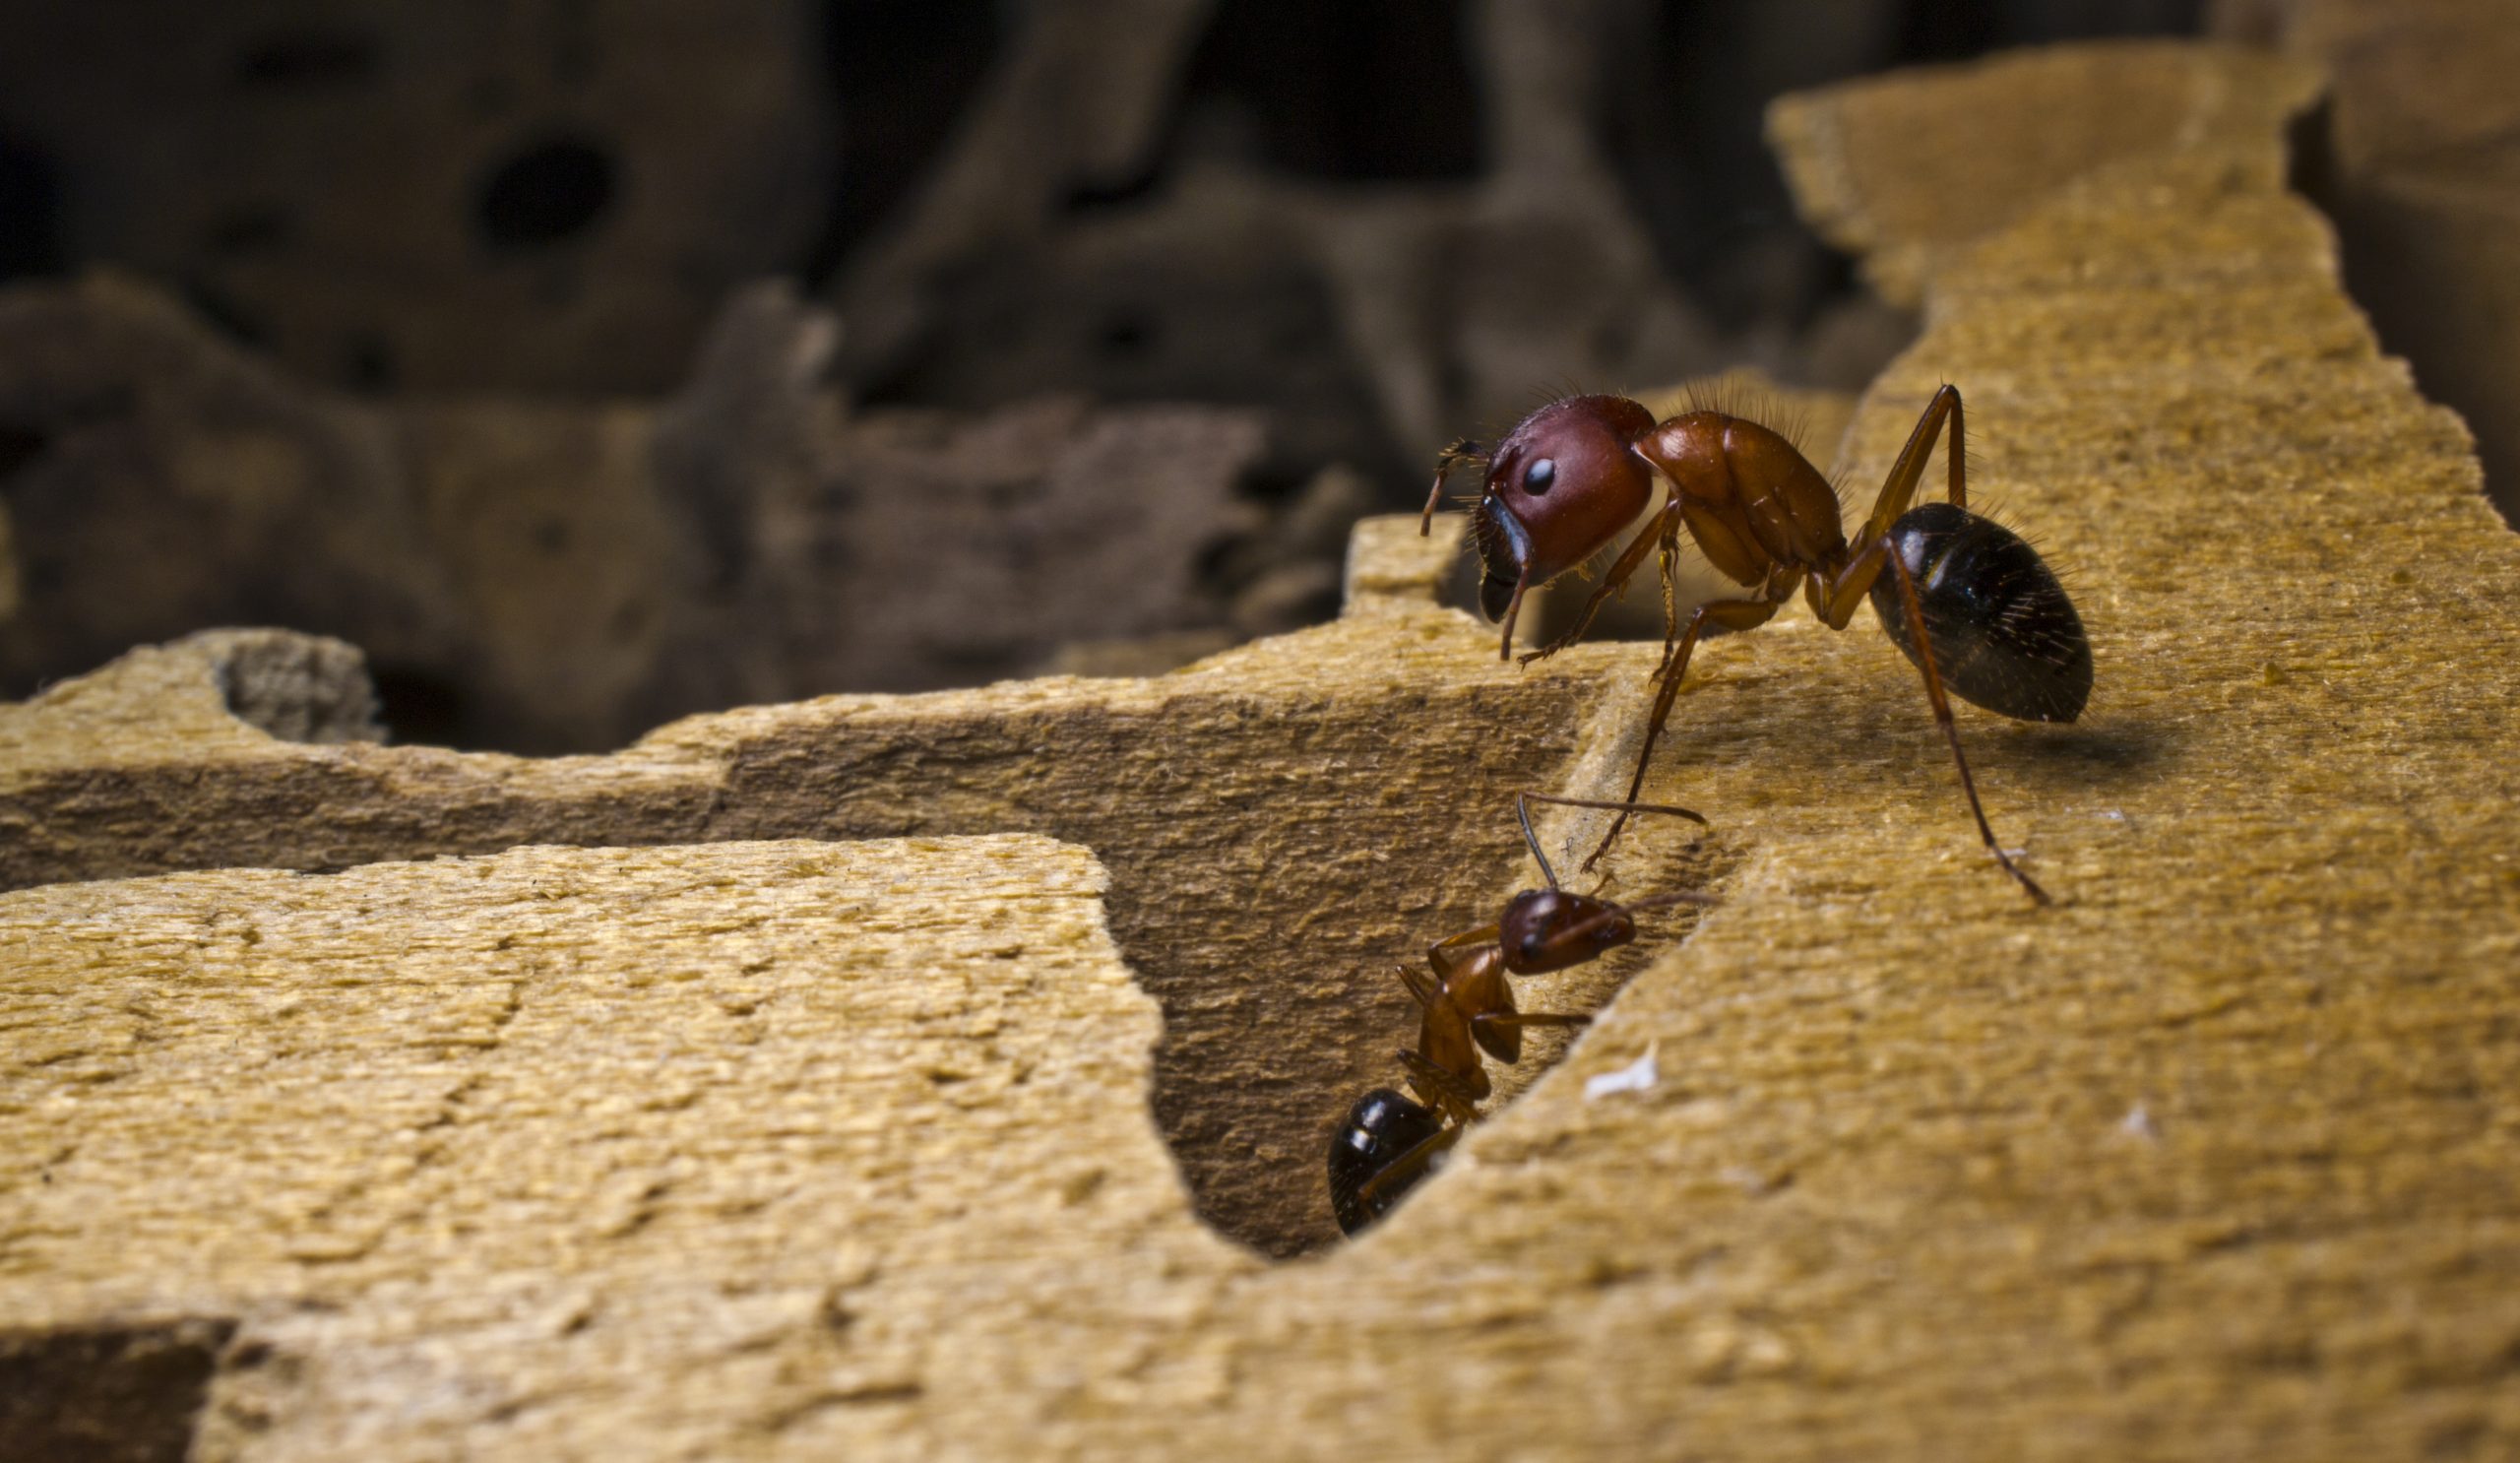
x=2219 y=1158
x=670 y=1150
x=1283 y=822
x=1900 y=169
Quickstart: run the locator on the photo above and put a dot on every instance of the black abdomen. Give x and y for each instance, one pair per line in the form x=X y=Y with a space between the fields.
x=2004 y=634
x=1383 y=1127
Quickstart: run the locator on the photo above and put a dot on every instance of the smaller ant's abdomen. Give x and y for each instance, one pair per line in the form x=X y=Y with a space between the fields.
x=1381 y=1129
x=2004 y=634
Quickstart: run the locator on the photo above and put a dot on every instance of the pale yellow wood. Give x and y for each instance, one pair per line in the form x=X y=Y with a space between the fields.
x=1285 y=823
x=640 y=1153
x=2216 y=1159
x=1901 y=171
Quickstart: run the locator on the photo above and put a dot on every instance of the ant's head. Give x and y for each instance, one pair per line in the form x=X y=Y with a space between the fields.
x=1549 y=929
x=1559 y=485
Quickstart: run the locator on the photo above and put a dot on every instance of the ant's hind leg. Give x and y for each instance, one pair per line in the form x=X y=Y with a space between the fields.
x=1899 y=489
x=1950 y=729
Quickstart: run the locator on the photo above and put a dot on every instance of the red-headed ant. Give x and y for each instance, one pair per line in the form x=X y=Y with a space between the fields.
x=1997 y=627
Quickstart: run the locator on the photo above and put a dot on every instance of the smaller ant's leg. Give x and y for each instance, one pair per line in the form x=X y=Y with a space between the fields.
x=1462 y=450
x=1501 y=1032
x=1441 y=1088
x=1446 y=958
x=1405 y=1168
x=1480 y=936
x=1899 y=489
x=1950 y=729
x=1630 y=559
x=1735 y=614
x=1424 y=989
x=1519 y=1019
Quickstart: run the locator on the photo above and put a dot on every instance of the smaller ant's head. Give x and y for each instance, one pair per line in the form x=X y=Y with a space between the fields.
x=1549 y=929
x=1559 y=487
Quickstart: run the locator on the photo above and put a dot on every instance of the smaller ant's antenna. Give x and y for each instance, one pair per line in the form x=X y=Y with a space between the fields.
x=1522 y=809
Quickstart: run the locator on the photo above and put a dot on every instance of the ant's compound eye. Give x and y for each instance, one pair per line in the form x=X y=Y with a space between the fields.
x=1538 y=478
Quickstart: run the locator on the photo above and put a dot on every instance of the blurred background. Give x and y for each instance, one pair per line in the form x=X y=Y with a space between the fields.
x=591 y=363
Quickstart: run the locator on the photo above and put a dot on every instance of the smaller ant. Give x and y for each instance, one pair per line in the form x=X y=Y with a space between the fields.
x=1388 y=1141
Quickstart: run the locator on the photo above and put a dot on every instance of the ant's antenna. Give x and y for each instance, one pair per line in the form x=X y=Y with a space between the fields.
x=1522 y=810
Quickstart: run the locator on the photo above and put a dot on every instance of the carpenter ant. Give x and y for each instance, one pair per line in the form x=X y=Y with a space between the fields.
x=1387 y=1141
x=1570 y=476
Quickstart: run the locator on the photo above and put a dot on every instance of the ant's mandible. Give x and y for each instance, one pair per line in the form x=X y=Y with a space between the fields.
x=1388 y=1141
x=1570 y=476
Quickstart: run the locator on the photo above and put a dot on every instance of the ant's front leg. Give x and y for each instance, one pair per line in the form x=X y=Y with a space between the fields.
x=1522 y=809
x=1630 y=559
x=1460 y=450
x=1733 y=615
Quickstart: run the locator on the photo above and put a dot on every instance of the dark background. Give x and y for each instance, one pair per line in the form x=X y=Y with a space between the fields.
x=441 y=326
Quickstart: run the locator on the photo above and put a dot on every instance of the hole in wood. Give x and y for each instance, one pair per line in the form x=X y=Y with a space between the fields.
x=132 y=1395
x=545 y=193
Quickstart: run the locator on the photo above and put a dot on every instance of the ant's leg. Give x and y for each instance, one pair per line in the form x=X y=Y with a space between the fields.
x=1513 y=611
x=1462 y=450
x=1837 y=605
x=1443 y=1089
x=1670 y=587
x=1500 y=1033
x=1447 y=958
x=1737 y=614
x=1834 y=601
x=1950 y=729
x=1444 y=1040
x=1630 y=559
x=1484 y=934
x=1899 y=489
x=1517 y=1019
x=1423 y=990
x=1408 y=1166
